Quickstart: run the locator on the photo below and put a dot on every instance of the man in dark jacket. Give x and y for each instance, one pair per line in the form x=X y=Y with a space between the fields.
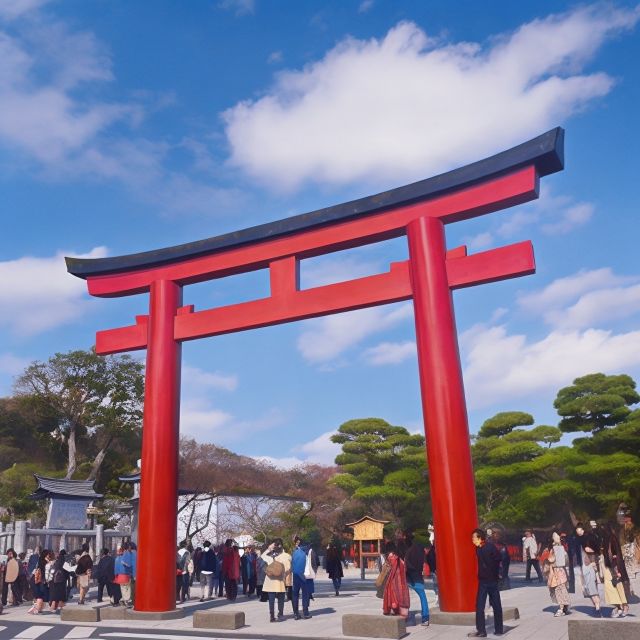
x=104 y=573
x=488 y=576
x=208 y=567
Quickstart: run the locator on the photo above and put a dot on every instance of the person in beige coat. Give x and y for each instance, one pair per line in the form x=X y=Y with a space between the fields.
x=278 y=573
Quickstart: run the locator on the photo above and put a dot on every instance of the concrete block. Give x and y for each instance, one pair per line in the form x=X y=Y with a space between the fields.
x=604 y=629
x=79 y=613
x=218 y=619
x=132 y=614
x=368 y=626
x=112 y=613
x=468 y=618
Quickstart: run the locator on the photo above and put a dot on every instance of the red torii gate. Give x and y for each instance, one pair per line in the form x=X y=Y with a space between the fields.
x=419 y=211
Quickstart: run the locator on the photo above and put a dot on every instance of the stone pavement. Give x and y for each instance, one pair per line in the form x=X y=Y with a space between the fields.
x=532 y=599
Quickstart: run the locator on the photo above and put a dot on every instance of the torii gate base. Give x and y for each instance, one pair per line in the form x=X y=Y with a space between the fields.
x=419 y=211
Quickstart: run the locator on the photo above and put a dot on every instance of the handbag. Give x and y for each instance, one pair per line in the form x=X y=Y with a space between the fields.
x=383 y=575
x=309 y=573
x=122 y=578
x=275 y=570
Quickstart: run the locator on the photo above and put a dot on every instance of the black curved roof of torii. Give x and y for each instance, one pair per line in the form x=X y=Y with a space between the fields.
x=546 y=152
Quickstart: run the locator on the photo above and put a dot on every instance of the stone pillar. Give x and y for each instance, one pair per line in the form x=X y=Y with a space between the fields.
x=99 y=541
x=20 y=537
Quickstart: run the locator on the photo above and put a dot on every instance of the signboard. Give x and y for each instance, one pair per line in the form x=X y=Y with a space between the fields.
x=67 y=514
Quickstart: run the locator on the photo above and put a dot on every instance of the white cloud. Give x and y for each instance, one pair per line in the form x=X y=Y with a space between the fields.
x=201 y=420
x=12 y=364
x=390 y=353
x=38 y=294
x=286 y=462
x=553 y=214
x=499 y=366
x=196 y=380
x=320 y=450
x=12 y=9
x=405 y=106
x=275 y=57
x=331 y=336
x=52 y=123
x=585 y=299
x=480 y=241
x=331 y=269
x=365 y=6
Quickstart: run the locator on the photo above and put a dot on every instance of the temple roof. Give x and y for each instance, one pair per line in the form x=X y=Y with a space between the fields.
x=61 y=488
x=546 y=152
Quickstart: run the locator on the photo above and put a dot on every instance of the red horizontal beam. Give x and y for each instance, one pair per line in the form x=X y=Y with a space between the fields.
x=499 y=193
x=393 y=286
x=288 y=304
x=490 y=266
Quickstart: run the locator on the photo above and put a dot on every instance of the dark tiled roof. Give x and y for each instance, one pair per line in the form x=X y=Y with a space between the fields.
x=61 y=488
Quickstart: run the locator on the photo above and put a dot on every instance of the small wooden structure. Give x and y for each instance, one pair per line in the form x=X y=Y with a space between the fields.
x=368 y=532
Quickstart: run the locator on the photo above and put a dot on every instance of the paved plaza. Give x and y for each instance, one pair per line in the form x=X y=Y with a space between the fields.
x=532 y=599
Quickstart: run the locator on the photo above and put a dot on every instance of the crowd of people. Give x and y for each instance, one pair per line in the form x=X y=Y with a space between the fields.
x=47 y=578
x=599 y=561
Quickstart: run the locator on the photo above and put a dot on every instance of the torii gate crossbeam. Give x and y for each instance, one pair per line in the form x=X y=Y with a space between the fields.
x=418 y=211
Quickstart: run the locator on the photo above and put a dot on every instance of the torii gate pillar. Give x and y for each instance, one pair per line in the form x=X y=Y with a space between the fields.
x=445 y=413
x=160 y=436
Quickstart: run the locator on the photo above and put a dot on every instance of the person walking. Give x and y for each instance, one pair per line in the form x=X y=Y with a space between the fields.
x=120 y=578
x=589 y=545
x=278 y=568
x=182 y=572
x=58 y=585
x=395 y=597
x=334 y=567
x=104 y=573
x=300 y=560
x=231 y=569
x=83 y=572
x=530 y=555
x=208 y=567
x=557 y=576
x=488 y=576
x=11 y=575
x=414 y=559
x=39 y=584
x=261 y=567
x=614 y=573
x=629 y=538
x=248 y=570
x=221 y=578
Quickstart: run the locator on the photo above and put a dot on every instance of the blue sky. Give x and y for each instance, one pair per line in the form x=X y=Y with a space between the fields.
x=128 y=125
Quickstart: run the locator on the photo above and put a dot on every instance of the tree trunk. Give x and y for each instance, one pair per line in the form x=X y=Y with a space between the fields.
x=71 y=445
x=99 y=459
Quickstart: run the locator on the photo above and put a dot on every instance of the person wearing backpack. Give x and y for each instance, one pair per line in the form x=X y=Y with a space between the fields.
x=58 y=585
x=278 y=569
